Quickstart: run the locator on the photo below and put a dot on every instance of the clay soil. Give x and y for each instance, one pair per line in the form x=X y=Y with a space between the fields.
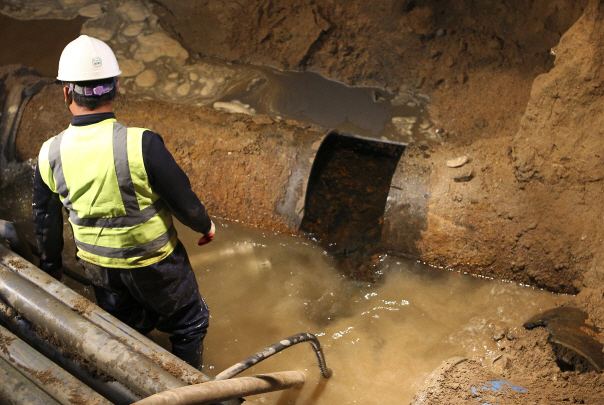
x=514 y=85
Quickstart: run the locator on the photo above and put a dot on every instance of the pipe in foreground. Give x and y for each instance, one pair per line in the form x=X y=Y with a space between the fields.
x=276 y=348
x=45 y=374
x=136 y=371
x=114 y=391
x=217 y=391
x=17 y=390
x=101 y=318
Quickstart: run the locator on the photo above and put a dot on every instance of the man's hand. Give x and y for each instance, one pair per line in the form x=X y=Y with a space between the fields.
x=208 y=237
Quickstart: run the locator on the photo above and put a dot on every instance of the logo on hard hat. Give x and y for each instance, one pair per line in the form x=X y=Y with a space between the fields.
x=96 y=61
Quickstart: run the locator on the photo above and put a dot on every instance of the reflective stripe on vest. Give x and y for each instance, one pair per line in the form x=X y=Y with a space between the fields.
x=134 y=215
x=117 y=232
x=135 y=251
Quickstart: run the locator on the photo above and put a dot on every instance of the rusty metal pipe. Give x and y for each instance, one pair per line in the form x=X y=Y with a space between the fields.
x=217 y=391
x=101 y=318
x=16 y=389
x=45 y=374
x=136 y=371
x=114 y=391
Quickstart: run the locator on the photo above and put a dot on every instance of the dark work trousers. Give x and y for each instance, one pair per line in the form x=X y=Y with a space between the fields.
x=163 y=295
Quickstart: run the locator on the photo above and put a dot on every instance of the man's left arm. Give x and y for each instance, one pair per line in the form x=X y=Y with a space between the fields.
x=172 y=184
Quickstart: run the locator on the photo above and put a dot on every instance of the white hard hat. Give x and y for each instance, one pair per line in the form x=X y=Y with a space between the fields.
x=87 y=58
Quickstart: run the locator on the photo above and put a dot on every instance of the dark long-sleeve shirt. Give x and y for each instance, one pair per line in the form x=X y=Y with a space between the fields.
x=165 y=176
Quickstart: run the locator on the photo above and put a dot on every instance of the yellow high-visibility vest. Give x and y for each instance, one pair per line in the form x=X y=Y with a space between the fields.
x=99 y=174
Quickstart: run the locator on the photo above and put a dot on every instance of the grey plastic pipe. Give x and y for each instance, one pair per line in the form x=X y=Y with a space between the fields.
x=134 y=370
x=217 y=391
x=46 y=375
x=16 y=389
x=114 y=391
x=100 y=318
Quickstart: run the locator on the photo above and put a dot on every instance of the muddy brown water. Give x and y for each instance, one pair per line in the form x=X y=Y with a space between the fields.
x=381 y=340
x=312 y=98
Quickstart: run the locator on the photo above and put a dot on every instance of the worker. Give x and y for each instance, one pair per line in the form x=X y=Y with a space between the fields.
x=120 y=187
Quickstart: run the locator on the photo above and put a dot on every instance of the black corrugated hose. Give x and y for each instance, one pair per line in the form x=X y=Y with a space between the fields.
x=276 y=348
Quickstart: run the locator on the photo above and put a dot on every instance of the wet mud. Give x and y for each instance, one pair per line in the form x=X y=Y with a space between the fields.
x=381 y=340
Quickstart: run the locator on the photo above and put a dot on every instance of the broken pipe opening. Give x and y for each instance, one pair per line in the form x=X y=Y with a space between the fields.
x=346 y=198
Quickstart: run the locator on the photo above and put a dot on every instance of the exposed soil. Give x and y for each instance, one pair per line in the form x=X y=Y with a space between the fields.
x=47 y=46
x=516 y=86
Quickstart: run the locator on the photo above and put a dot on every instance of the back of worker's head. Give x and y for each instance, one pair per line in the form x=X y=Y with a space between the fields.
x=89 y=67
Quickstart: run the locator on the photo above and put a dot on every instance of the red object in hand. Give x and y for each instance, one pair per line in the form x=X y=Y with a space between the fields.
x=205 y=239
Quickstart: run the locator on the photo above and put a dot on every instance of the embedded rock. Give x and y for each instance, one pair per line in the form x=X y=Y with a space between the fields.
x=154 y=46
x=147 y=78
x=134 y=11
x=131 y=67
x=458 y=162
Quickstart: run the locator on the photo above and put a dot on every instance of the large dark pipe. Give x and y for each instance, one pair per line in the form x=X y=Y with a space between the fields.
x=10 y=119
x=136 y=371
x=100 y=318
x=346 y=195
x=45 y=374
x=89 y=374
x=17 y=390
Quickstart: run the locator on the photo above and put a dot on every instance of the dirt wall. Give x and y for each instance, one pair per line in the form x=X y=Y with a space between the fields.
x=532 y=210
x=558 y=153
x=461 y=53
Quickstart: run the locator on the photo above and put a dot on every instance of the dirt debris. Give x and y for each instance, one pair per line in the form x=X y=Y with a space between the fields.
x=5 y=341
x=529 y=371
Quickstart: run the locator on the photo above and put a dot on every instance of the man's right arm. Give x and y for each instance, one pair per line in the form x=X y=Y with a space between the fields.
x=48 y=226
